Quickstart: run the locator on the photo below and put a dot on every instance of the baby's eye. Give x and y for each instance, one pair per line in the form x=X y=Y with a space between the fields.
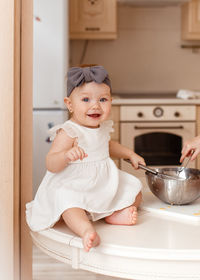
x=103 y=99
x=85 y=99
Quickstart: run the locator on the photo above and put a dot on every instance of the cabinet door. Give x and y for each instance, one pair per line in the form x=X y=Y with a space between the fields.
x=115 y=116
x=93 y=19
x=191 y=20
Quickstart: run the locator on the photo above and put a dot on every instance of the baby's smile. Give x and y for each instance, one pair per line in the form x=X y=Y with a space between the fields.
x=94 y=115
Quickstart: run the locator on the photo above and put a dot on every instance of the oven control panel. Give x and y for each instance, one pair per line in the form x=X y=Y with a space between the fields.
x=158 y=113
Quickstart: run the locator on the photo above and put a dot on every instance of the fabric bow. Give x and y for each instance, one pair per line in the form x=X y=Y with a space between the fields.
x=78 y=76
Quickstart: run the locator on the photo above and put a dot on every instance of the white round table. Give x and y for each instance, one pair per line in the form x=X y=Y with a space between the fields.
x=153 y=249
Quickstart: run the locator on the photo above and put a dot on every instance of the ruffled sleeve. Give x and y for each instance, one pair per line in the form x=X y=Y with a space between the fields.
x=67 y=127
x=108 y=126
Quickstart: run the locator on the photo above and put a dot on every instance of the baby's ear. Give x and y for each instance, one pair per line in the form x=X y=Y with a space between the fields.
x=68 y=103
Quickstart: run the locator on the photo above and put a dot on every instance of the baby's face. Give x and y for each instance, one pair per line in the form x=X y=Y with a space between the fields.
x=90 y=104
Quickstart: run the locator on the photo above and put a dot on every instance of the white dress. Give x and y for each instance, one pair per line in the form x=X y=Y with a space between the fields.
x=94 y=184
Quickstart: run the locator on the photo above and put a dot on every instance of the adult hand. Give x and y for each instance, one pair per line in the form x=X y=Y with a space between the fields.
x=191 y=146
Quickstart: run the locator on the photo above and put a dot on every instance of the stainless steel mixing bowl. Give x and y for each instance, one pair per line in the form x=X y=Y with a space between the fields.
x=177 y=192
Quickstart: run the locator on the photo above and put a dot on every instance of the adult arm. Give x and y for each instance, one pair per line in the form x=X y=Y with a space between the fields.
x=193 y=145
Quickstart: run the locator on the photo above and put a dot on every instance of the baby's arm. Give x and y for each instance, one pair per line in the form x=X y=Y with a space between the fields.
x=119 y=151
x=64 y=149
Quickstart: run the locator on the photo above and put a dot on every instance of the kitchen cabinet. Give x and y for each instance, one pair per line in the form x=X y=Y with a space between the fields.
x=93 y=19
x=115 y=116
x=191 y=20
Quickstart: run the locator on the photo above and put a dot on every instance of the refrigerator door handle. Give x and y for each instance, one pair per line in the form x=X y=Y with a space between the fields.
x=50 y=125
x=48 y=140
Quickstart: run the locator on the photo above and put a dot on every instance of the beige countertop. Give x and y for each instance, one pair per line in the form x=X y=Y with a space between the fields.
x=119 y=100
x=152 y=101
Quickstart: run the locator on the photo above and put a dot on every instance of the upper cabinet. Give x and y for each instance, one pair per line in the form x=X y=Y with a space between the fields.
x=191 y=20
x=93 y=19
x=152 y=3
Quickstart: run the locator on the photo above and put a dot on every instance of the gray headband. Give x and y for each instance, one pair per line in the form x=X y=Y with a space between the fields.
x=77 y=76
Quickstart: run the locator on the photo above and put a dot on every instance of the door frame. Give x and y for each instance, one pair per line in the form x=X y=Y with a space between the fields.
x=26 y=73
x=16 y=50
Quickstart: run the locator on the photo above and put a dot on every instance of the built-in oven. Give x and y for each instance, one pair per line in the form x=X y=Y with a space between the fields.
x=157 y=133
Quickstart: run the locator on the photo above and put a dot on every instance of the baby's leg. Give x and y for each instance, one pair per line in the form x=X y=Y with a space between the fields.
x=77 y=220
x=125 y=216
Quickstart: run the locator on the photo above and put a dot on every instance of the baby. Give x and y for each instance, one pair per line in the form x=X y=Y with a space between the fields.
x=82 y=183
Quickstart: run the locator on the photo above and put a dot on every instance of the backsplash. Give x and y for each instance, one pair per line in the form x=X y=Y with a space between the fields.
x=146 y=57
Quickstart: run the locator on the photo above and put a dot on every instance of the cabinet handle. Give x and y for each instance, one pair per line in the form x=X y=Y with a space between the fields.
x=159 y=127
x=48 y=140
x=92 y=29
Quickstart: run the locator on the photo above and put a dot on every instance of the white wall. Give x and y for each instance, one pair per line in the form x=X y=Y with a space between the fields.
x=147 y=54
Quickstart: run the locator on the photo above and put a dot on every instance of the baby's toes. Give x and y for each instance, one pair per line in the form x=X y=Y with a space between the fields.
x=88 y=246
x=134 y=215
x=134 y=219
x=90 y=242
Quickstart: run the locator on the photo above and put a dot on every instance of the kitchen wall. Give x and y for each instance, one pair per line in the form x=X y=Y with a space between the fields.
x=147 y=56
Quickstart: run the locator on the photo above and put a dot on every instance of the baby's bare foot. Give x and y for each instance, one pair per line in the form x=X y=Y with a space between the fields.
x=126 y=216
x=90 y=239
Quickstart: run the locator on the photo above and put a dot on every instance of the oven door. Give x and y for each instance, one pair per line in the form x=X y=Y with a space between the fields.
x=159 y=143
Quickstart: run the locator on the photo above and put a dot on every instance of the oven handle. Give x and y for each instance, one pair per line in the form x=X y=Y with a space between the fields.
x=159 y=127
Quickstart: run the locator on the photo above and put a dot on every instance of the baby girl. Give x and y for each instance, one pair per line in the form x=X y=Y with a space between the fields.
x=82 y=183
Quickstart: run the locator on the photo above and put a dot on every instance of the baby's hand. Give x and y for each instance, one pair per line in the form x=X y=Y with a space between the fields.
x=135 y=160
x=75 y=153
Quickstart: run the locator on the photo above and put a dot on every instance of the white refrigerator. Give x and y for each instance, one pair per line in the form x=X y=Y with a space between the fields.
x=50 y=65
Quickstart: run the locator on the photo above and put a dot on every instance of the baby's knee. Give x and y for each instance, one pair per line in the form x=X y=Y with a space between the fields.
x=139 y=196
x=138 y=199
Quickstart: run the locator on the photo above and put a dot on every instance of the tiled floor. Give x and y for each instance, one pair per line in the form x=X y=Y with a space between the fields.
x=46 y=268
